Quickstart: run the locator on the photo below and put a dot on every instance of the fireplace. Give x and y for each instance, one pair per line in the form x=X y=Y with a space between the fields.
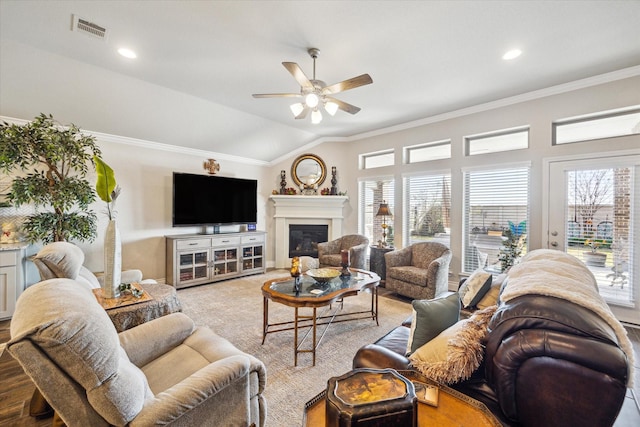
x=304 y=239
x=304 y=210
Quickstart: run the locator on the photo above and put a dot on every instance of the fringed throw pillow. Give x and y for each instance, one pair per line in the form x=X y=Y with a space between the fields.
x=457 y=352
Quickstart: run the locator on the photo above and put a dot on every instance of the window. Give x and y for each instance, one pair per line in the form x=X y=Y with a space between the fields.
x=428 y=217
x=597 y=126
x=496 y=202
x=504 y=140
x=377 y=160
x=430 y=151
x=372 y=192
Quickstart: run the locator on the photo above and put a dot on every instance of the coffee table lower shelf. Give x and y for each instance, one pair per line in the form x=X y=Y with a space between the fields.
x=454 y=409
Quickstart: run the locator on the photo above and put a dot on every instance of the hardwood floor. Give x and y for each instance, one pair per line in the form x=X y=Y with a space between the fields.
x=17 y=388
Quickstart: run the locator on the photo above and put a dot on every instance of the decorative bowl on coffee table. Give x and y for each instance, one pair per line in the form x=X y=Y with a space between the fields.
x=323 y=275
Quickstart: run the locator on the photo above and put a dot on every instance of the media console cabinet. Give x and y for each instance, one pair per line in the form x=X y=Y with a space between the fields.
x=194 y=259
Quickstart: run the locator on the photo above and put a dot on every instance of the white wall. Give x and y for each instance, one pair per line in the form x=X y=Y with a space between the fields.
x=531 y=109
x=144 y=206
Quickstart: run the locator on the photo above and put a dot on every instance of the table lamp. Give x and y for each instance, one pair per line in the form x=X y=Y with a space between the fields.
x=384 y=212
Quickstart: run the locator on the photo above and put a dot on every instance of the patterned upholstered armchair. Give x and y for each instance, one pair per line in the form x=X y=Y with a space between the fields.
x=419 y=271
x=329 y=252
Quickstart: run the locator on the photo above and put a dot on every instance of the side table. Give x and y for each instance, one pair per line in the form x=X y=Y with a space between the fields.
x=165 y=301
x=377 y=263
x=452 y=409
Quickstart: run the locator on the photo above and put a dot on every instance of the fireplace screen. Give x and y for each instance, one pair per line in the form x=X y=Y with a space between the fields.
x=304 y=239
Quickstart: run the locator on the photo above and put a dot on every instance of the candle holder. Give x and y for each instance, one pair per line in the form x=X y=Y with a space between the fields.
x=345 y=262
x=283 y=182
x=296 y=272
x=334 y=181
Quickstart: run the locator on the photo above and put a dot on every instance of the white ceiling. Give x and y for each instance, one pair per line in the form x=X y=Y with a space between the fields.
x=199 y=62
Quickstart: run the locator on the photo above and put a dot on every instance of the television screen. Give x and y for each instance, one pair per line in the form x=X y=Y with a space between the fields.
x=213 y=200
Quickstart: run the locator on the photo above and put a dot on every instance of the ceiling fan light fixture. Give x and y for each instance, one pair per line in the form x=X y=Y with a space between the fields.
x=331 y=107
x=316 y=116
x=312 y=100
x=296 y=109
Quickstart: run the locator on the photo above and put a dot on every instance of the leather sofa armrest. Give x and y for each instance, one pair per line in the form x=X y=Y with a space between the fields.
x=376 y=356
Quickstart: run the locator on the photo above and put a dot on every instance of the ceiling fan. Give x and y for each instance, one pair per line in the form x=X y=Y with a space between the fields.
x=316 y=93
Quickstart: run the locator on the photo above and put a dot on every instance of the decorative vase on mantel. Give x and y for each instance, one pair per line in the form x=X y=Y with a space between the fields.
x=112 y=261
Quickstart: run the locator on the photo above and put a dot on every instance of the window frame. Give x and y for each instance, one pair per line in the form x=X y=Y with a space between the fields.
x=602 y=115
x=468 y=140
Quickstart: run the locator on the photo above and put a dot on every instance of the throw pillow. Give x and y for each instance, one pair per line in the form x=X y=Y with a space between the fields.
x=474 y=288
x=457 y=352
x=491 y=297
x=430 y=317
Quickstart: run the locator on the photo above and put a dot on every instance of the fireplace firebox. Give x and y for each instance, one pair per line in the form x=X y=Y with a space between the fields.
x=304 y=239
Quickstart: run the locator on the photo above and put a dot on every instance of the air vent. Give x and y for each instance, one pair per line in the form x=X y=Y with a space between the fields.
x=87 y=27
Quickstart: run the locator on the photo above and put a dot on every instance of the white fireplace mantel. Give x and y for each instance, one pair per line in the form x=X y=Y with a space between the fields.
x=318 y=210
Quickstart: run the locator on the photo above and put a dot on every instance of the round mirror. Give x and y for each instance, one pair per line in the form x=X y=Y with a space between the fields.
x=308 y=170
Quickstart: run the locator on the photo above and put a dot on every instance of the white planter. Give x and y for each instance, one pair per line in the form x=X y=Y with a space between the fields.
x=112 y=261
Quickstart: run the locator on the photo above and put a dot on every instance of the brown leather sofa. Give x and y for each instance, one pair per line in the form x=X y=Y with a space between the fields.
x=547 y=362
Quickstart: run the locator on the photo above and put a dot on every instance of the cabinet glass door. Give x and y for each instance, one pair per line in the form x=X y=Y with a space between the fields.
x=225 y=261
x=193 y=266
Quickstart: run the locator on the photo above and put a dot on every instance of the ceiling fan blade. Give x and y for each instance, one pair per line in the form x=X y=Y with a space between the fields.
x=304 y=113
x=276 y=95
x=352 y=83
x=351 y=109
x=298 y=74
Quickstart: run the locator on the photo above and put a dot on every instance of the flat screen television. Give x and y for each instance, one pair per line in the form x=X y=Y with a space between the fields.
x=201 y=200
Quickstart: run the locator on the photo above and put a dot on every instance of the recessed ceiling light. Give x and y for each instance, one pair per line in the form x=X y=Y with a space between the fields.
x=127 y=53
x=512 y=54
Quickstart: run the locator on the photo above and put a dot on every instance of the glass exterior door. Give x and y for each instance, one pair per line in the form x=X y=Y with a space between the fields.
x=595 y=216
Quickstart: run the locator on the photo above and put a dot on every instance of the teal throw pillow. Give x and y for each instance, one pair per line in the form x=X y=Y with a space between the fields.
x=430 y=317
x=474 y=288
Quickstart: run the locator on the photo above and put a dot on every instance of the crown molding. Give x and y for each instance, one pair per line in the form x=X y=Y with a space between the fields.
x=116 y=139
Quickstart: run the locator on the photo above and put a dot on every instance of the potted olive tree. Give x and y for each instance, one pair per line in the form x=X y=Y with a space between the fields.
x=54 y=161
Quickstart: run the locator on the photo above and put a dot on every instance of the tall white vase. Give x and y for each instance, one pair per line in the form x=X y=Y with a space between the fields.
x=112 y=261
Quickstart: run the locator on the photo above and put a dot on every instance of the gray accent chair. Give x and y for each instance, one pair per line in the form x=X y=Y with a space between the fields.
x=163 y=372
x=419 y=271
x=329 y=252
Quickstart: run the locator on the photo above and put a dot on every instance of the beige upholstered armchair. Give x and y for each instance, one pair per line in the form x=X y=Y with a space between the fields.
x=163 y=372
x=64 y=260
x=329 y=252
x=419 y=271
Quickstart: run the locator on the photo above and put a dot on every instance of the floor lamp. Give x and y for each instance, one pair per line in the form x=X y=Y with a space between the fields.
x=384 y=212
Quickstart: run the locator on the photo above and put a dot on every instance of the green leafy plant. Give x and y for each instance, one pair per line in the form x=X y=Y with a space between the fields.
x=514 y=240
x=55 y=160
x=106 y=186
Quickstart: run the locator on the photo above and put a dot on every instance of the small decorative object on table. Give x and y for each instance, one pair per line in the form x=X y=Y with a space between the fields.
x=296 y=272
x=370 y=397
x=345 y=262
x=323 y=275
x=211 y=166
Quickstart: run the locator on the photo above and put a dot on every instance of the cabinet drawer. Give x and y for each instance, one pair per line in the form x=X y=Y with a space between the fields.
x=193 y=244
x=8 y=258
x=250 y=240
x=225 y=241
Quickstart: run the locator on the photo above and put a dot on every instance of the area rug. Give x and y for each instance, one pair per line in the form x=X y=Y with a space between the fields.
x=233 y=309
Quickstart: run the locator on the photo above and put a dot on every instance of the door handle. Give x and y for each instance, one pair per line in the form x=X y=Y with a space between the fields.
x=554 y=244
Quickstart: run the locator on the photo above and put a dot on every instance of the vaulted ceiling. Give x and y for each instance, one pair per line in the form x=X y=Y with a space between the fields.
x=199 y=62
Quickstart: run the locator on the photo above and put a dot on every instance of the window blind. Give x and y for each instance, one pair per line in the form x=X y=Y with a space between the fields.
x=428 y=198
x=492 y=200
